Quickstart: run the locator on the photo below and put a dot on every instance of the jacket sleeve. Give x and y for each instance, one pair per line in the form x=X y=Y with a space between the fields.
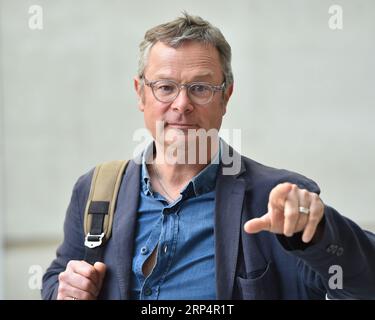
x=72 y=247
x=344 y=257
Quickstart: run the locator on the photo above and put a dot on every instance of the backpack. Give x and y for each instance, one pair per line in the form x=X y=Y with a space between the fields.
x=100 y=207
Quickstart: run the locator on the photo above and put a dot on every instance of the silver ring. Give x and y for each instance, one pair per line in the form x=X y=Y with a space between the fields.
x=303 y=210
x=74 y=298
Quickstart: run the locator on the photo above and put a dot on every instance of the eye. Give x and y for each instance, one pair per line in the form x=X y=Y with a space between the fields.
x=200 y=89
x=165 y=88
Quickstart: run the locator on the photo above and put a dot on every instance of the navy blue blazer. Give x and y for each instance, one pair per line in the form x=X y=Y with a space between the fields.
x=257 y=266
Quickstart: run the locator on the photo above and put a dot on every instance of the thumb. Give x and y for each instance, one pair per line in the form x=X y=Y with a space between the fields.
x=100 y=269
x=258 y=224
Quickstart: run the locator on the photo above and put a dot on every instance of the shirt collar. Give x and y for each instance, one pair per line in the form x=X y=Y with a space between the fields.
x=203 y=182
x=147 y=157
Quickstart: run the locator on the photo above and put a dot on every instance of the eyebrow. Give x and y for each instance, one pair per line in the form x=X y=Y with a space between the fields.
x=163 y=76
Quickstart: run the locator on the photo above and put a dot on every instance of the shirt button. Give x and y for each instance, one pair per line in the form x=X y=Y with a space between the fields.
x=144 y=250
x=165 y=249
x=148 y=291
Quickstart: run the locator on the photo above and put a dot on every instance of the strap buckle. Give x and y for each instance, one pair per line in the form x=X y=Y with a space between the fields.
x=93 y=240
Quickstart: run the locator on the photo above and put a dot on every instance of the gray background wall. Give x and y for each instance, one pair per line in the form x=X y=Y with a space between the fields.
x=304 y=100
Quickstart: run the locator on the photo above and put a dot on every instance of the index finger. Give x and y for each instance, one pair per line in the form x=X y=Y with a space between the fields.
x=84 y=269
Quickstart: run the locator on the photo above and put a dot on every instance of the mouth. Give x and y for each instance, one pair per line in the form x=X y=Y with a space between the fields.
x=182 y=126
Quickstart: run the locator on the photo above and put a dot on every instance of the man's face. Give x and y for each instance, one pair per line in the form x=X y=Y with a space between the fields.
x=191 y=62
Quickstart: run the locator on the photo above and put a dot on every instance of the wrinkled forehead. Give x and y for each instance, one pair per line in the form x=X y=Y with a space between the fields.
x=190 y=58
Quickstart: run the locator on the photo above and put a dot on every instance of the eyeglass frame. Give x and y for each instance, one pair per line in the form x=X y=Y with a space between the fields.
x=184 y=85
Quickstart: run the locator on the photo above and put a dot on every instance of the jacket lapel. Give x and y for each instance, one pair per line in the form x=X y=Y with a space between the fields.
x=125 y=224
x=230 y=190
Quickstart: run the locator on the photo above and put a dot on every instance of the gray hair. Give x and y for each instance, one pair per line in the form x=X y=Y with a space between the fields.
x=180 y=30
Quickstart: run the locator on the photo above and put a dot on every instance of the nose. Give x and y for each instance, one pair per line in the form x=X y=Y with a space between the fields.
x=182 y=103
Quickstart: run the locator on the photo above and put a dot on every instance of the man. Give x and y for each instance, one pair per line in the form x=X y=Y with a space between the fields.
x=185 y=229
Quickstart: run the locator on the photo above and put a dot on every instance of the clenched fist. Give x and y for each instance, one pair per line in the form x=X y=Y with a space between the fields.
x=81 y=281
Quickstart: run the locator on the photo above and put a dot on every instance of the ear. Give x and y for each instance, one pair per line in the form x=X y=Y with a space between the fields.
x=139 y=89
x=227 y=94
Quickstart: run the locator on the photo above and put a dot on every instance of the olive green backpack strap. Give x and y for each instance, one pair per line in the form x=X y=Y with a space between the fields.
x=100 y=208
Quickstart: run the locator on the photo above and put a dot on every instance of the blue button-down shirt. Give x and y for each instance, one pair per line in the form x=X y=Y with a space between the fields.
x=183 y=231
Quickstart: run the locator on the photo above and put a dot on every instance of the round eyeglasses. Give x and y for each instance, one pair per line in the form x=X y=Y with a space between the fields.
x=166 y=91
